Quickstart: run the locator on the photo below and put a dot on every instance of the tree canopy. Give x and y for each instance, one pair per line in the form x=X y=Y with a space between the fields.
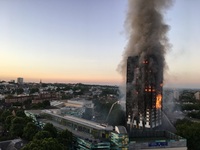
x=44 y=144
x=42 y=135
x=190 y=131
x=51 y=129
x=29 y=131
x=17 y=126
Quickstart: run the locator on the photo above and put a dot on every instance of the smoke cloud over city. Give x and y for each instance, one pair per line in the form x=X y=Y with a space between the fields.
x=146 y=32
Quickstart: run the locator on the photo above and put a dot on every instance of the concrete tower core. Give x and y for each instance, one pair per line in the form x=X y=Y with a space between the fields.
x=143 y=93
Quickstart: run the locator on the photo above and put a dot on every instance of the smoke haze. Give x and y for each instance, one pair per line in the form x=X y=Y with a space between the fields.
x=146 y=33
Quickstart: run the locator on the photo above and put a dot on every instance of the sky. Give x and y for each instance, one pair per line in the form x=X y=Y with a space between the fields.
x=82 y=41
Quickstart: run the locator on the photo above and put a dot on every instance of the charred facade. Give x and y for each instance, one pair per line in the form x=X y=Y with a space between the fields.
x=143 y=92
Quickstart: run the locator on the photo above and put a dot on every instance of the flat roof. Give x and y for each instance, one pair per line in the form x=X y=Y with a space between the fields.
x=62 y=127
x=84 y=122
x=81 y=121
x=37 y=112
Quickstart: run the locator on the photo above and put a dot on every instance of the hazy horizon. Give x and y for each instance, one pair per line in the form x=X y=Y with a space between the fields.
x=83 y=42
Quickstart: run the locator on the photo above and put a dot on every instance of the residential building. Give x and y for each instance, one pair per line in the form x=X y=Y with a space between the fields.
x=197 y=95
x=143 y=94
x=19 y=99
x=176 y=94
x=20 y=80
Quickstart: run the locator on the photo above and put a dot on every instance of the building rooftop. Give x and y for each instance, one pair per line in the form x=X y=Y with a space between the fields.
x=91 y=124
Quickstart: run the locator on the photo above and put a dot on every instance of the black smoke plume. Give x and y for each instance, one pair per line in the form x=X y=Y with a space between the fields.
x=146 y=33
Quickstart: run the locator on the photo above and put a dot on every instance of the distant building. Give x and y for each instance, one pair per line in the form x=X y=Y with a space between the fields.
x=2 y=96
x=12 y=81
x=197 y=95
x=20 y=80
x=45 y=97
x=15 y=144
x=19 y=99
x=176 y=94
x=34 y=98
x=75 y=107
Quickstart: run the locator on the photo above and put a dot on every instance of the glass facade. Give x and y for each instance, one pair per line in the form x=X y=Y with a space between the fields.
x=82 y=144
x=119 y=141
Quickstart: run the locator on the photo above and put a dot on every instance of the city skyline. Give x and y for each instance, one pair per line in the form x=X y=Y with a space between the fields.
x=76 y=41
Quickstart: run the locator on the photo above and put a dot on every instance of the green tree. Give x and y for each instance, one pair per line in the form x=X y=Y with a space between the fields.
x=17 y=104
x=20 y=91
x=190 y=131
x=195 y=115
x=109 y=91
x=27 y=102
x=29 y=131
x=190 y=107
x=20 y=113
x=28 y=119
x=33 y=145
x=44 y=144
x=4 y=115
x=46 y=104
x=51 y=144
x=65 y=137
x=187 y=96
x=42 y=135
x=8 y=122
x=51 y=129
x=34 y=90
x=44 y=85
x=17 y=126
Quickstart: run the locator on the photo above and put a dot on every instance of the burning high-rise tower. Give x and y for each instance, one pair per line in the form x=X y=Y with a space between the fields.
x=143 y=61
x=143 y=94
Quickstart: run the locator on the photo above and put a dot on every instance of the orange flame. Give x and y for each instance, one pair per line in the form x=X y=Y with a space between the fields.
x=158 y=101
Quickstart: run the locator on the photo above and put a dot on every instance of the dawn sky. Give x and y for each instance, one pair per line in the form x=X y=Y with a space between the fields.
x=83 y=41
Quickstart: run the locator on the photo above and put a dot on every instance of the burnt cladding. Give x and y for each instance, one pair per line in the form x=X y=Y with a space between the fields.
x=143 y=93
